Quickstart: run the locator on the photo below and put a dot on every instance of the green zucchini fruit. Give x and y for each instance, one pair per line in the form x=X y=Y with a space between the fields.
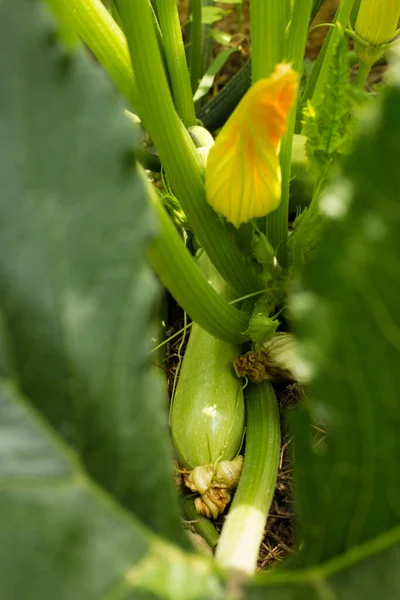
x=207 y=414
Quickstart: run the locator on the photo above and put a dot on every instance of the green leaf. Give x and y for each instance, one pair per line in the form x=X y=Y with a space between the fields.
x=330 y=129
x=62 y=536
x=221 y=37
x=347 y=489
x=330 y=125
x=76 y=293
x=212 y=14
x=208 y=78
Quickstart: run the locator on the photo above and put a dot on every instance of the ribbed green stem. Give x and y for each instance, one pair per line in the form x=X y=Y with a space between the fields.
x=176 y=149
x=176 y=60
x=342 y=19
x=203 y=526
x=66 y=33
x=181 y=276
x=362 y=75
x=268 y=23
x=243 y=529
x=277 y=222
x=116 y=16
x=195 y=43
x=96 y=27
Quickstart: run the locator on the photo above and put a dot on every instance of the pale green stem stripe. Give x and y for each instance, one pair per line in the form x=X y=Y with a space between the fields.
x=182 y=277
x=268 y=23
x=176 y=149
x=96 y=27
x=277 y=222
x=176 y=61
x=242 y=532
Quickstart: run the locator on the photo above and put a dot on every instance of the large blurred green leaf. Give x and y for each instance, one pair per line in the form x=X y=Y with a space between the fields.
x=62 y=537
x=348 y=488
x=75 y=291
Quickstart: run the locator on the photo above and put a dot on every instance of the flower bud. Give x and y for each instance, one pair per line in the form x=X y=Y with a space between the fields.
x=377 y=21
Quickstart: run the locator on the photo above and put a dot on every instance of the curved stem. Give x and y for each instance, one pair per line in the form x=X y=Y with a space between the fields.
x=176 y=149
x=243 y=529
x=182 y=277
x=96 y=27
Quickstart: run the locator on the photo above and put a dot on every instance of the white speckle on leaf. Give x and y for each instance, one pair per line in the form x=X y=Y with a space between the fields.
x=336 y=200
x=303 y=303
x=303 y=369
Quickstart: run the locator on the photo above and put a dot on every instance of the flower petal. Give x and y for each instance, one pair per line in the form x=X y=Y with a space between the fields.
x=243 y=177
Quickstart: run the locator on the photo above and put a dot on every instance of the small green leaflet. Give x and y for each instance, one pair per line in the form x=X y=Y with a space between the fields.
x=212 y=14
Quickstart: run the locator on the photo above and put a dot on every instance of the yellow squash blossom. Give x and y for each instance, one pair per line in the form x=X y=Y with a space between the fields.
x=243 y=176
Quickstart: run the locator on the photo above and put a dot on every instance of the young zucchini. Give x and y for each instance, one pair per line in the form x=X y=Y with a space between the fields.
x=207 y=416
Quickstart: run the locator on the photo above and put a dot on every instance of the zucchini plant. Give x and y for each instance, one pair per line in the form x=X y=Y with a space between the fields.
x=284 y=280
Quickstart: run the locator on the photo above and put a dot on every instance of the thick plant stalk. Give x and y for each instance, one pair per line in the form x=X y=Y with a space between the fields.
x=268 y=24
x=243 y=529
x=176 y=60
x=187 y=284
x=277 y=222
x=196 y=29
x=176 y=149
x=96 y=27
x=362 y=75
